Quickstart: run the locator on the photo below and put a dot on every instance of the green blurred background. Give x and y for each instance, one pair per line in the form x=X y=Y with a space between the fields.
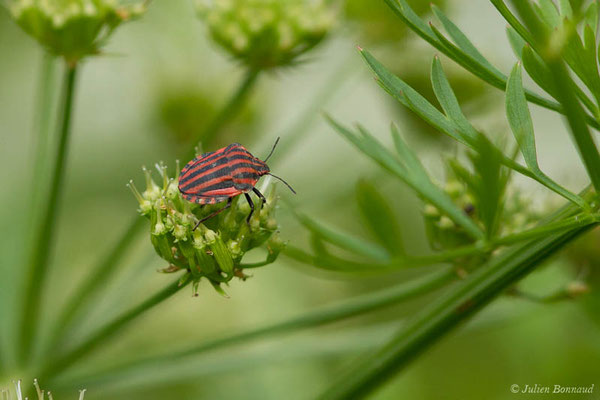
x=141 y=101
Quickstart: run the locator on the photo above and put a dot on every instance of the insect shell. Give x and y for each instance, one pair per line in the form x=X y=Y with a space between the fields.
x=223 y=174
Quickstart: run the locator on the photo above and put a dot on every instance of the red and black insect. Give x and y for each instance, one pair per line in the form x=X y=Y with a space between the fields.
x=223 y=174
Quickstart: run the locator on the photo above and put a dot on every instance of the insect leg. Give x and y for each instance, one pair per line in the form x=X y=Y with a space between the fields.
x=251 y=204
x=259 y=194
x=214 y=213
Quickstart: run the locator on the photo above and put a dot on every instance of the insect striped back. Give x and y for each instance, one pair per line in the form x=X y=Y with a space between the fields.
x=216 y=176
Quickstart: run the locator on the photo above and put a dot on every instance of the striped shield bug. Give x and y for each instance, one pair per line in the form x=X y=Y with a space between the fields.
x=221 y=175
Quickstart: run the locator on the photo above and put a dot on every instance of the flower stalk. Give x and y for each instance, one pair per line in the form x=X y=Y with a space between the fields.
x=36 y=270
x=229 y=110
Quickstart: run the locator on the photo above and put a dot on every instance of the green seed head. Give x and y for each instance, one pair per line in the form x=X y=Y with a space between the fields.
x=216 y=248
x=73 y=29
x=266 y=33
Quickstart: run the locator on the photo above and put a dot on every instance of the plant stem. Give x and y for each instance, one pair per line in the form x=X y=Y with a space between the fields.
x=42 y=131
x=325 y=315
x=227 y=113
x=35 y=272
x=84 y=295
x=575 y=115
x=453 y=308
x=106 y=332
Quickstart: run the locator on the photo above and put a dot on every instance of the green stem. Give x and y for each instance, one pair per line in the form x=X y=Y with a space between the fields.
x=454 y=307
x=87 y=292
x=229 y=110
x=545 y=180
x=42 y=131
x=108 y=331
x=566 y=93
x=575 y=115
x=326 y=315
x=37 y=269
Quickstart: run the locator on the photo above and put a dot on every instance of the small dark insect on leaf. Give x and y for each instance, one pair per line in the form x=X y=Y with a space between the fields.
x=220 y=175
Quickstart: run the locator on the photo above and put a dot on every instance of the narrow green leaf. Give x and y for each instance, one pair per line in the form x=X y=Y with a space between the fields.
x=519 y=118
x=538 y=71
x=343 y=240
x=491 y=76
x=591 y=16
x=577 y=121
x=516 y=41
x=565 y=9
x=411 y=172
x=379 y=217
x=548 y=13
x=412 y=99
x=422 y=184
x=489 y=186
x=448 y=101
x=410 y=18
x=582 y=60
x=463 y=42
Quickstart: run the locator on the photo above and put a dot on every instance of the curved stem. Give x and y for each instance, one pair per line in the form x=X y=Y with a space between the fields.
x=454 y=307
x=106 y=332
x=84 y=295
x=325 y=315
x=38 y=265
x=227 y=112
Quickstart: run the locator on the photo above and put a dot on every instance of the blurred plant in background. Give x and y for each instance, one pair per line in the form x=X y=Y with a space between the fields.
x=483 y=235
x=265 y=34
x=185 y=111
x=76 y=28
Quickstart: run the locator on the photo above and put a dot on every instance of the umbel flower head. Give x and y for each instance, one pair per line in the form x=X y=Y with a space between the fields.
x=216 y=248
x=73 y=29
x=266 y=33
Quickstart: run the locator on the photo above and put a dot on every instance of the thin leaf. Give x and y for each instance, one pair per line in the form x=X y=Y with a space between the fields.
x=516 y=41
x=379 y=217
x=437 y=40
x=548 y=12
x=411 y=172
x=412 y=99
x=538 y=71
x=522 y=127
x=591 y=16
x=576 y=117
x=463 y=42
x=519 y=118
x=445 y=95
x=353 y=244
x=489 y=186
x=565 y=9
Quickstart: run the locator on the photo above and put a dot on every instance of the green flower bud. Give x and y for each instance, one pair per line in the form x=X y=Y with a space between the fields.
x=145 y=205
x=454 y=189
x=445 y=223
x=152 y=191
x=215 y=249
x=73 y=29
x=266 y=33
x=431 y=211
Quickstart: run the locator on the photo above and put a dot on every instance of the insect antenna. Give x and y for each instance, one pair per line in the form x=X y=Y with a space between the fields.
x=272 y=150
x=287 y=184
